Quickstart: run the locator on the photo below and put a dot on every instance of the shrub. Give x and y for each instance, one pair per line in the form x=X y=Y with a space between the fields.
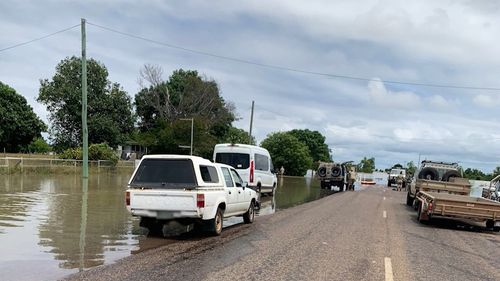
x=100 y=151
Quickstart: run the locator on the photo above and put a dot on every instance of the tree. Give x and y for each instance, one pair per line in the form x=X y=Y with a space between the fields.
x=185 y=95
x=367 y=165
x=110 y=115
x=315 y=142
x=19 y=125
x=397 y=166
x=236 y=135
x=411 y=168
x=287 y=151
x=39 y=145
x=160 y=105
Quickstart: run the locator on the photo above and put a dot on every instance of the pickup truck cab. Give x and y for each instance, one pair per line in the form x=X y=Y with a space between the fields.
x=187 y=191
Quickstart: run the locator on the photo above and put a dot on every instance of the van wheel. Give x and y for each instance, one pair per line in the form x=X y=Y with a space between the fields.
x=249 y=216
x=215 y=224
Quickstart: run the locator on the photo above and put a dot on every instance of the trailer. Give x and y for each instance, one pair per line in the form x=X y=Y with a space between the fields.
x=443 y=204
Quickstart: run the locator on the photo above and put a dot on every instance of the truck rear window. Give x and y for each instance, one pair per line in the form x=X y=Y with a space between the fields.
x=236 y=160
x=165 y=173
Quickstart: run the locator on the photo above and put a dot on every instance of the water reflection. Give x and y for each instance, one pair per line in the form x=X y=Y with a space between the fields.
x=55 y=225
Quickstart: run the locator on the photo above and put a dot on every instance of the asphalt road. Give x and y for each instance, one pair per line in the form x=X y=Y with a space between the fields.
x=364 y=235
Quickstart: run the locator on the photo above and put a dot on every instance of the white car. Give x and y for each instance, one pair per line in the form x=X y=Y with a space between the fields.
x=252 y=162
x=187 y=191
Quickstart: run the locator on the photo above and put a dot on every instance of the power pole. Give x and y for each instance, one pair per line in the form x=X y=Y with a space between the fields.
x=191 y=146
x=251 y=123
x=85 y=149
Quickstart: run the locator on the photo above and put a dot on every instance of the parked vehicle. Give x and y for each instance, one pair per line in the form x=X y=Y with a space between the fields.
x=446 y=204
x=187 y=191
x=393 y=176
x=431 y=171
x=440 y=191
x=253 y=163
x=336 y=174
x=493 y=190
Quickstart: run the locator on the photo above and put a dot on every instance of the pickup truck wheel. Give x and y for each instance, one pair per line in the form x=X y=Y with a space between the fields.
x=249 y=216
x=215 y=224
x=409 y=200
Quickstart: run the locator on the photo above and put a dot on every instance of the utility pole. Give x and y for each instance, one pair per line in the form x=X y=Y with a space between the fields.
x=251 y=123
x=192 y=134
x=85 y=149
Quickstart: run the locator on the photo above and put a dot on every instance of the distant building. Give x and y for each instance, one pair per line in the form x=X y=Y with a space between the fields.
x=131 y=151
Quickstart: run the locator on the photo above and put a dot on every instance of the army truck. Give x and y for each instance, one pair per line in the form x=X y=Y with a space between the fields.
x=341 y=175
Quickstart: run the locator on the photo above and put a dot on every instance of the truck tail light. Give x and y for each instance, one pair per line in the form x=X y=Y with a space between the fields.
x=251 y=171
x=200 y=200
x=127 y=198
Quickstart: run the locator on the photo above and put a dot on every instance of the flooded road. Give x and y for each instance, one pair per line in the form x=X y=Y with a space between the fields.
x=55 y=225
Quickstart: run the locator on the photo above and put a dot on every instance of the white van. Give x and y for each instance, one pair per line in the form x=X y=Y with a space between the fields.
x=253 y=163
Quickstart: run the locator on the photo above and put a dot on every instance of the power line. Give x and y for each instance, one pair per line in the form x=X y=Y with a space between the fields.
x=285 y=68
x=39 y=38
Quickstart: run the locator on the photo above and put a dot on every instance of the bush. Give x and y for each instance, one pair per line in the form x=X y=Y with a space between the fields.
x=39 y=145
x=99 y=151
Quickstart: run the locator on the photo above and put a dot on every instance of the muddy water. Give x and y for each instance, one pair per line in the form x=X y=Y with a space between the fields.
x=55 y=225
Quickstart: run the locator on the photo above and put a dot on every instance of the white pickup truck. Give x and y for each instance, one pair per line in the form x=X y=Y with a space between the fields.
x=188 y=191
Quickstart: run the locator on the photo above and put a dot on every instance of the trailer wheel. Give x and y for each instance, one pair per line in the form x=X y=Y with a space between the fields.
x=490 y=224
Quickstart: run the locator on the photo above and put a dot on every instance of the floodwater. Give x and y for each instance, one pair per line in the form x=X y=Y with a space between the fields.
x=55 y=225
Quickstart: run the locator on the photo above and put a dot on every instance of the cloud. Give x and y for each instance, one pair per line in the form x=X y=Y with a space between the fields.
x=487 y=101
x=381 y=96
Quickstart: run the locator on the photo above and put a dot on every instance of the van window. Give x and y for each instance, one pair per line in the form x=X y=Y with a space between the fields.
x=227 y=177
x=235 y=160
x=209 y=174
x=261 y=162
x=165 y=173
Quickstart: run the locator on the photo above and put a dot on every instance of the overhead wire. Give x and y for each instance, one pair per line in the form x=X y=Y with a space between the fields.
x=39 y=38
x=291 y=69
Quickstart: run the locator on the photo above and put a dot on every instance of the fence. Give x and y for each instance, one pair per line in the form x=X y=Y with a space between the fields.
x=21 y=164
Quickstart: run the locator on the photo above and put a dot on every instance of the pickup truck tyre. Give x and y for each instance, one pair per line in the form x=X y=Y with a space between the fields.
x=215 y=224
x=450 y=174
x=249 y=216
x=409 y=200
x=429 y=174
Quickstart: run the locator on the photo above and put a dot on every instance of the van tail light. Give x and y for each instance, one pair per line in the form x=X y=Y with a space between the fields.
x=127 y=198
x=200 y=200
x=251 y=171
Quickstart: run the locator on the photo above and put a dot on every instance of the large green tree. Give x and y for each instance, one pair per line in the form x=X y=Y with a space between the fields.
x=161 y=105
x=315 y=142
x=19 y=125
x=237 y=135
x=367 y=165
x=287 y=151
x=110 y=115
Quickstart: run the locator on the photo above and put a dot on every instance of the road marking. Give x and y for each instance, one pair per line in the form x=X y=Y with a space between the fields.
x=388 y=269
x=384 y=197
x=384 y=214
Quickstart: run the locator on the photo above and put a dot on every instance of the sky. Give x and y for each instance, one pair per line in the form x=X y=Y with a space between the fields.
x=424 y=42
